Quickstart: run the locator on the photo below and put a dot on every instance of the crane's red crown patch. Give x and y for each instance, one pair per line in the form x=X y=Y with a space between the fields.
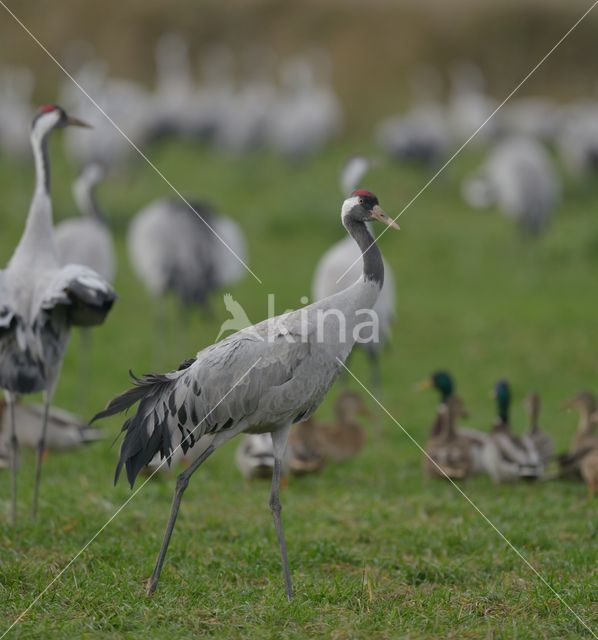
x=46 y=108
x=363 y=193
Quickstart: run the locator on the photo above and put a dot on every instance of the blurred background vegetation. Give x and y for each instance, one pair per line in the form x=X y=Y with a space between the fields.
x=373 y=44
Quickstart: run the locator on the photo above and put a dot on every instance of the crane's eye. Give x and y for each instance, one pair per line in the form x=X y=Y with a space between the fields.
x=361 y=201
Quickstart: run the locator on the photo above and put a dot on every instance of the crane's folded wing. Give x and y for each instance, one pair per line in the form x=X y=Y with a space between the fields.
x=88 y=297
x=7 y=314
x=244 y=380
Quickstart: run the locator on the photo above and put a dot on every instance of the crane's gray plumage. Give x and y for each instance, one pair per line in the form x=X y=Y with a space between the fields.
x=87 y=240
x=40 y=299
x=520 y=178
x=38 y=309
x=261 y=379
x=284 y=383
x=173 y=250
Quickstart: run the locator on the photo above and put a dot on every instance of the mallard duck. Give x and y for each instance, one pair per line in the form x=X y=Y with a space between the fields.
x=587 y=431
x=313 y=442
x=506 y=455
x=254 y=457
x=589 y=470
x=540 y=439
x=448 y=452
x=65 y=431
x=443 y=382
x=586 y=436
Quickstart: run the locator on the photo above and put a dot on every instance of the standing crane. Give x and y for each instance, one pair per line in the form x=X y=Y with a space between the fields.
x=171 y=250
x=520 y=178
x=261 y=379
x=87 y=240
x=339 y=267
x=40 y=300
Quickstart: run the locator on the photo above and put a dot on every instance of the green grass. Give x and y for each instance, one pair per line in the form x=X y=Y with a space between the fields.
x=376 y=549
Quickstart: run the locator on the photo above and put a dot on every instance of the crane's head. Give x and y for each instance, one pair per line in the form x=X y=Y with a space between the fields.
x=363 y=206
x=51 y=116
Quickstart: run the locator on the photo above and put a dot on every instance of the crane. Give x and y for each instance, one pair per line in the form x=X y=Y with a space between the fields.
x=170 y=249
x=40 y=300
x=261 y=379
x=87 y=240
x=520 y=178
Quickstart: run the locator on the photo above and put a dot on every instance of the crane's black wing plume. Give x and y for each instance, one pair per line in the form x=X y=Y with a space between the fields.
x=155 y=395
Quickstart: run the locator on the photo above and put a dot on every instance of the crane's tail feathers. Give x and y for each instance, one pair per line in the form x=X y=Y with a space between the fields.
x=127 y=399
x=146 y=432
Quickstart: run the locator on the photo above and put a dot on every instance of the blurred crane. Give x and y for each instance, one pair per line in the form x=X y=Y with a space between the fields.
x=16 y=111
x=422 y=133
x=519 y=177
x=188 y=252
x=577 y=139
x=87 y=240
x=307 y=113
x=470 y=107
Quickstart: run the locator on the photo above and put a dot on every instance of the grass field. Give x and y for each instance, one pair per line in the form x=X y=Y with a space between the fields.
x=376 y=550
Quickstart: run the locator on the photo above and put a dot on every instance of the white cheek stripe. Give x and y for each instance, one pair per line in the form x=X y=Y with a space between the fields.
x=348 y=204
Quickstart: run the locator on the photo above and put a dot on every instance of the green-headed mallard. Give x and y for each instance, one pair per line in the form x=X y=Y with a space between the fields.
x=448 y=452
x=506 y=455
x=443 y=382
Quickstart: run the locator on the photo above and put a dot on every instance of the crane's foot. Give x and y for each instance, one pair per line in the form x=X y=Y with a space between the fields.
x=150 y=586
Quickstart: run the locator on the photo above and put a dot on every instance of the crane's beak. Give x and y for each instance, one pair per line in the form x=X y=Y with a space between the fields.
x=423 y=385
x=75 y=122
x=378 y=214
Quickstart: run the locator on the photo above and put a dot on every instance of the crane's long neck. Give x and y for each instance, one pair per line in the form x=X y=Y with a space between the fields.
x=373 y=267
x=84 y=192
x=37 y=242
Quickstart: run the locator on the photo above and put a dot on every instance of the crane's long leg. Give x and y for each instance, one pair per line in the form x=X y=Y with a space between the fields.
x=41 y=447
x=85 y=379
x=181 y=484
x=279 y=441
x=14 y=452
